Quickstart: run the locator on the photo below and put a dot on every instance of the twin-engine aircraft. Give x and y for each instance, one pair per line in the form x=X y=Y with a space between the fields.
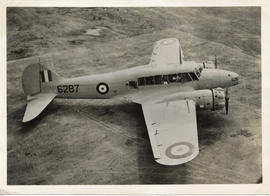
x=169 y=90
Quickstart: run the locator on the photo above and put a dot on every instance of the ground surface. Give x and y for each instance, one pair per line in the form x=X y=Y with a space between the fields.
x=106 y=141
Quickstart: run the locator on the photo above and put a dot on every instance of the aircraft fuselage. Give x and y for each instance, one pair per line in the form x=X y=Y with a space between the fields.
x=108 y=85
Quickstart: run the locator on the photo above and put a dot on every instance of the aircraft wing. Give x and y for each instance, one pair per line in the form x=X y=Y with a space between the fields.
x=172 y=129
x=36 y=104
x=167 y=52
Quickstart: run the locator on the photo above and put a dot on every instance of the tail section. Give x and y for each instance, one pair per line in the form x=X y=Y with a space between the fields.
x=35 y=77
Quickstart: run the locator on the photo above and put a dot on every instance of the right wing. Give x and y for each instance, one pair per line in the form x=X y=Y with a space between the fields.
x=172 y=129
x=167 y=52
x=36 y=104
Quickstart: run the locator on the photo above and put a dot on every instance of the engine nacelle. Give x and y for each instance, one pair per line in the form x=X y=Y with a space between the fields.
x=218 y=99
x=205 y=99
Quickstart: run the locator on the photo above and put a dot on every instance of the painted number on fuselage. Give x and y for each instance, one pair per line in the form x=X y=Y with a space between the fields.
x=68 y=88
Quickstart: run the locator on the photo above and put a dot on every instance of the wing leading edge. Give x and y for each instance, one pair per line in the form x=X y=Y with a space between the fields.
x=172 y=129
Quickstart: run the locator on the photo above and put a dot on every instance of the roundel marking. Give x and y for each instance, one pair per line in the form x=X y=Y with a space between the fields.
x=167 y=41
x=179 y=150
x=102 y=88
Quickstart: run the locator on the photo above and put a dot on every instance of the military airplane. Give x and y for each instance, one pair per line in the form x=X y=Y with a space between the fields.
x=169 y=90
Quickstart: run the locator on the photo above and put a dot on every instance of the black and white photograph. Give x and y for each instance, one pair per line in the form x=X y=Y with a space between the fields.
x=134 y=95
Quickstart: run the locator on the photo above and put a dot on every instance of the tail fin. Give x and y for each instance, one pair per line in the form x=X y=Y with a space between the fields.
x=34 y=76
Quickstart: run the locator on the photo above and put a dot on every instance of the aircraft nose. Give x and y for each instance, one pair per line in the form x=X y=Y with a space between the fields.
x=234 y=77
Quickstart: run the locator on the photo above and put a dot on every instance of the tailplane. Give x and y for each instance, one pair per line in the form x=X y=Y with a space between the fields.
x=36 y=104
x=35 y=77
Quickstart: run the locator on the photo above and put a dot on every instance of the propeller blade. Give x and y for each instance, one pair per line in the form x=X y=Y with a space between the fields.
x=215 y=61
x=227 y=105
x=227 y=98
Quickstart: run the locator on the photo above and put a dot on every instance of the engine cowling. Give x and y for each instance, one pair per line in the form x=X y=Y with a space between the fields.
x=218 y=98
x=205 y=99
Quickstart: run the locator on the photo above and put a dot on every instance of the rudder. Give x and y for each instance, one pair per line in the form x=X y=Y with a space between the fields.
x=33 y=77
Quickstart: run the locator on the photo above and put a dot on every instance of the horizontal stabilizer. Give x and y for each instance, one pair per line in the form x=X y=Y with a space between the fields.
x=36 y=104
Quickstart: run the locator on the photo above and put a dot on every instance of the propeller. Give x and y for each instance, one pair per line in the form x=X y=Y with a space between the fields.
x=215 y=61
x=227 y=100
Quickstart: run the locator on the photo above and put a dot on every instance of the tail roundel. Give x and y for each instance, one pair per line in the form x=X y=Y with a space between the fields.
x=34 y=78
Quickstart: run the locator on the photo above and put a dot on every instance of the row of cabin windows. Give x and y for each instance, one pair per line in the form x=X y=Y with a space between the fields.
x=165 y=79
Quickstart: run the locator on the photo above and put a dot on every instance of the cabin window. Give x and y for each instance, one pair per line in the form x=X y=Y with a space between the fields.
x=165 y=79
x=185 y=77
x=132 y=84
x=172 y=77
x=141 y=81
x=149 y=80
x=193 y=76
x=178 y=77
x=158 y=79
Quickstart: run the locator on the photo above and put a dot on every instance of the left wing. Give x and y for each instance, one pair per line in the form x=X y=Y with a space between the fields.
x=172 y=129
x=167 y=52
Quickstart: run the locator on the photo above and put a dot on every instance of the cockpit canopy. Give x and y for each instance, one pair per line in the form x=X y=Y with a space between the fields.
x=198 y=71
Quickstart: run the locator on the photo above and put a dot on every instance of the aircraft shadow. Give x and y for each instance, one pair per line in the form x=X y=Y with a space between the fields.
x=150 y=172
x=210 y=127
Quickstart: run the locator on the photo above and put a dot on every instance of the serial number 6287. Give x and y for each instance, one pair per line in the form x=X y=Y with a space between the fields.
x=68 y=88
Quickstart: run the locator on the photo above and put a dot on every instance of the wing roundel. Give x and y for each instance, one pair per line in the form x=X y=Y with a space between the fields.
x=172 y=130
